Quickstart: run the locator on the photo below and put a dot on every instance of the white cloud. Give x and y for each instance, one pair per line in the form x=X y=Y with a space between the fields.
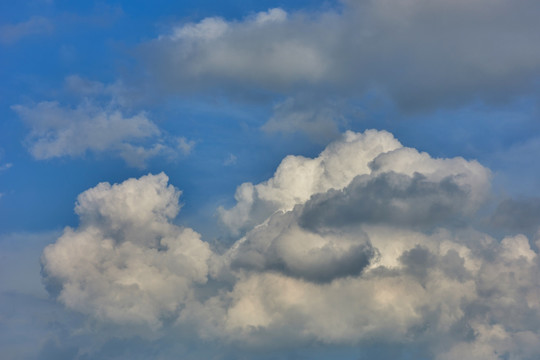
x=216 y=50
x=275 y=15
x=385 y=261
x=297 y=178
x=59 y=131
x=207 y=29
x=371 y=153
x=99 y=123
x=126 y=262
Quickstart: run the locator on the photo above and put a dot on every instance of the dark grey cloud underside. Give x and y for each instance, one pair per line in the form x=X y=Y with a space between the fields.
x=390 y=198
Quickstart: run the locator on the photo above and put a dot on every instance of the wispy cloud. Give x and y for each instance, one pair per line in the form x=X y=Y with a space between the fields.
x=231 y=159
x=36 y=25
x=5 y=166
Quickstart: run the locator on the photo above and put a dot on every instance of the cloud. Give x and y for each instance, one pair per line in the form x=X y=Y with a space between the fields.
x=370 y=159
x=282 y=245
x=5 y=166
x=521 y=215
x=481 y=50
x=185 y=145
x=126 y=262
x=357 y=246
x=59 y=131
x=231 y=159
x=99 y=123
x=390 y=198
x=434 y=292
x=319 y=120
x=36 y=25
x=297 y=178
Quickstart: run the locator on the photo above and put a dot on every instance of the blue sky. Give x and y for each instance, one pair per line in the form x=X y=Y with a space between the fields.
x=294 y=180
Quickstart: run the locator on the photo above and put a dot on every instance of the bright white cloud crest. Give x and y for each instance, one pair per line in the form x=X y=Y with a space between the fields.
x=365 y=243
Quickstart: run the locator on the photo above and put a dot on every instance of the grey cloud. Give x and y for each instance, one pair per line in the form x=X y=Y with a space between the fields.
x=281 y=245
x=418 y=261
x=318 y=119
x=390 y=198
x=423 y=54
x=453 y=266
x=518 y=215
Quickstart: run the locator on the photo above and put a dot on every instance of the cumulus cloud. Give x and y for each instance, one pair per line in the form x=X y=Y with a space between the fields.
x=421 y=53
x=370 y=157
x=359 y=245
x=101 y=122
x=126 y=262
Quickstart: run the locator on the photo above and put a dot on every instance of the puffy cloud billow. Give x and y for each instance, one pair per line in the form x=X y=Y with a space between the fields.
x=126 y=262
x=370 y=243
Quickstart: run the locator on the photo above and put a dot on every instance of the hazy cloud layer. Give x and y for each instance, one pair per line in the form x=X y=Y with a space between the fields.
x=368 y=252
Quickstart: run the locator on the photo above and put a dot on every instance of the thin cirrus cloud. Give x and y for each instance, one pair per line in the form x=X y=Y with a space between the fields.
x=368 y=253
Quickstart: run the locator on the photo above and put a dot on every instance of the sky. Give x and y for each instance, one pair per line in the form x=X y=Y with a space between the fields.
x=347 y=179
